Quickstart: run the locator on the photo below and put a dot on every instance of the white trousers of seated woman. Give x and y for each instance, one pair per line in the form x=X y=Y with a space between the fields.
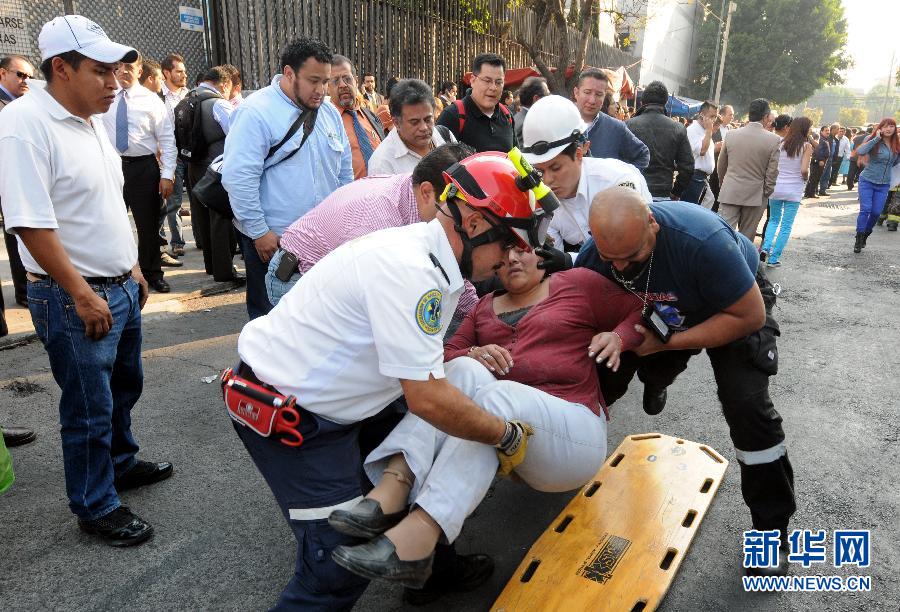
x=453 y=475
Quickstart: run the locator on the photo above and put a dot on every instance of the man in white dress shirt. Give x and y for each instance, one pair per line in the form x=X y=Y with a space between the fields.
x=138 y=126
x=700 y=135
x=414 y=133
x=174 y=89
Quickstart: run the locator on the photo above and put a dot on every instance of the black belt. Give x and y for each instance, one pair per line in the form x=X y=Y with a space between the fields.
x=701 y=172
x=93 y=280
x=133 y=159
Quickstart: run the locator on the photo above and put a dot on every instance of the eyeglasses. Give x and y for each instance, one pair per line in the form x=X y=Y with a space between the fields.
x=23 y=75
x=542 y=146
x=346 y=80
x=498 y=83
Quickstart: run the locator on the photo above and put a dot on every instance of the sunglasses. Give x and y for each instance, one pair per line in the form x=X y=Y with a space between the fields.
x=542 y=146
x=22 y=75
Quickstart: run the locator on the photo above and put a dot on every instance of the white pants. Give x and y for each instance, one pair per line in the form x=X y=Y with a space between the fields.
x=452 y=475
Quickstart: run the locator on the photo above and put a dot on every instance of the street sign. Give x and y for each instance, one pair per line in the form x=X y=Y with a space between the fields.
x=191 y=18
x=14 y=36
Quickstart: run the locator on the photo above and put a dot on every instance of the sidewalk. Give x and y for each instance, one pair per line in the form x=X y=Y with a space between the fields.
x=188 y=282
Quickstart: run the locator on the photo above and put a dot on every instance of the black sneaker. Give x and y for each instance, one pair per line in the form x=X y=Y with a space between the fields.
x=118 y=528
x=469 y=572
x=780 y=570
x=143 y=473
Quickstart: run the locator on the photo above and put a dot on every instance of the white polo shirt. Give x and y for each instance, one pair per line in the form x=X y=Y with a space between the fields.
x=706 y=162
x=368 y=314
x=570 y=221
x=60 y=172
x=393 y=156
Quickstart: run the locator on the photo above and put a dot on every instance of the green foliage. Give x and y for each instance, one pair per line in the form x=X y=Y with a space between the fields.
x=477 y=14
x=853 y=116
x=814 y=114
x=783 y=50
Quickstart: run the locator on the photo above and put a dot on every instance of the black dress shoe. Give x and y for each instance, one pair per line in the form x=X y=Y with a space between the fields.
x=469 y=572
x=160 y=286
x=17 y=436
x=780 y=570
x=654 y=399
x=378 y=559
x=142 y=474
x=118 y=528
x=365 y=520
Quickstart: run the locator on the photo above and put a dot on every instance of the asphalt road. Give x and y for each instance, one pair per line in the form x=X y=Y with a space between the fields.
x=221 y=543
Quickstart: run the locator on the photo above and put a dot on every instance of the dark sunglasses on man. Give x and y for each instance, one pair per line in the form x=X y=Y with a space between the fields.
x=22 y=75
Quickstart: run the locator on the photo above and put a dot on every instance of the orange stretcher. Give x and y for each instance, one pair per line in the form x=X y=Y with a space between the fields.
x=619 y=543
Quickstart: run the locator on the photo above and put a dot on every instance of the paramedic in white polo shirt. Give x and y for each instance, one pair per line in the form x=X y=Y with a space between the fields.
x=364 y=326
x=61 y=190
x=553 y=142
x=414 y=133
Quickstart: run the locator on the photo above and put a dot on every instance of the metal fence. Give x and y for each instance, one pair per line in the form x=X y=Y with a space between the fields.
x=433 y=40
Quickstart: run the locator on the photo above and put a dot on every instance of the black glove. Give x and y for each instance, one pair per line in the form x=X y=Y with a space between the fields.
x=553 y=260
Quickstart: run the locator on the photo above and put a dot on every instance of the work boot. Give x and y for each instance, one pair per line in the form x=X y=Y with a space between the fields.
x=857 y=247
x=378 y=559
x=865 y=237
x=892 y=226
x=365 y=520
x=780 y=570
x=654 y=399
x=468 y=572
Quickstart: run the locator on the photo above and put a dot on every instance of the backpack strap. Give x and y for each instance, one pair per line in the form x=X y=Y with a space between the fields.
x=461 y=111
x=445 y=133
x=505 y=112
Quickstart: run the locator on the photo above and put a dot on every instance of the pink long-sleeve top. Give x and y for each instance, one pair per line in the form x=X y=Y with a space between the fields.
x=549 y=345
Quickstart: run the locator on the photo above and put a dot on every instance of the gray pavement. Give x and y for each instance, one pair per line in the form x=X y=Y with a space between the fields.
x=221 y=543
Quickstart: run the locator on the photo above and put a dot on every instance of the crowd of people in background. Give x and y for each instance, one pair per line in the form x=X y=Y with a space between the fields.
x=319 y=158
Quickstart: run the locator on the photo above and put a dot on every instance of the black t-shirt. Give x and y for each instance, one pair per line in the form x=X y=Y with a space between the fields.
x=482 y=133
x=700 y=265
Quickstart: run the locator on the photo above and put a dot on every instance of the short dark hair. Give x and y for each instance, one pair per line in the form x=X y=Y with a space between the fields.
x=365 y=74
x=234 y=72
x=708 y=105
x=656 y=92
x=591 y=73
x=337 y=59
x=7 y=61
x=409 y=91
x=431 y=168
x=446 y=86
x=301 y=49
x=492 y=59
x=782 y=121
x=531 y=87
x=170 y=60
x=148 y=67
x=758 y=109
x=391 y=82
x=72 y=58
x=216 y=74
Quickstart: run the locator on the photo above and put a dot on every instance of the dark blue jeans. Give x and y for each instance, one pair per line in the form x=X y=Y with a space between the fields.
x=695 y=188
x=100 y=381
x=257 y=298
x=826 y=177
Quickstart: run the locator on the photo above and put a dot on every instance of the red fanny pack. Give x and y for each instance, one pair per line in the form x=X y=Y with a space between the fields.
x=263 y=410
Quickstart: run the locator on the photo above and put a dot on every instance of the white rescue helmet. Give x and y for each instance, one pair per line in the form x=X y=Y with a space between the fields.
x=551 y=125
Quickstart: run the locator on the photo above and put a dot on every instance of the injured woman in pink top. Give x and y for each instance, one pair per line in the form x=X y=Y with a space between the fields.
x=527 y=354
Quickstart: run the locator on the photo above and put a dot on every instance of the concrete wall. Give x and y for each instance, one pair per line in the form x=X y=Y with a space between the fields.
x=666 y=44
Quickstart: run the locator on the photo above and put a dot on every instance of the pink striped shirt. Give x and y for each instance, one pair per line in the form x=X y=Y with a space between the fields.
x=359 y=208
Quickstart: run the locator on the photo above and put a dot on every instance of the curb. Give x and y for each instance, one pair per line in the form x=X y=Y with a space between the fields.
x=22 y=339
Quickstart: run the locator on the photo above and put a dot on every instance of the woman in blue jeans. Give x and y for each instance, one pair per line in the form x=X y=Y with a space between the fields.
x=793 y=172
x=883 y=152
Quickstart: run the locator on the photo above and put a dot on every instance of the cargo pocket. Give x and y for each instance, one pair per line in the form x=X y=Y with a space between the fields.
x=762 y=347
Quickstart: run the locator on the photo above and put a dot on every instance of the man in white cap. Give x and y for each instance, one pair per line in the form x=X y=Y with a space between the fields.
x=554 y=142
x=85 y=290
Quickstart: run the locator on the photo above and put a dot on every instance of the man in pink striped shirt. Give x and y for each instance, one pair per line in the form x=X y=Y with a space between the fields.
x=360 y=208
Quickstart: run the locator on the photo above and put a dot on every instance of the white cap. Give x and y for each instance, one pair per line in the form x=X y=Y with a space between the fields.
x=550 y=119
x=77 y=33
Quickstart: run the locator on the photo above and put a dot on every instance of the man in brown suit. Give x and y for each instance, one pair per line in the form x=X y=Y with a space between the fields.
x=747 y=168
